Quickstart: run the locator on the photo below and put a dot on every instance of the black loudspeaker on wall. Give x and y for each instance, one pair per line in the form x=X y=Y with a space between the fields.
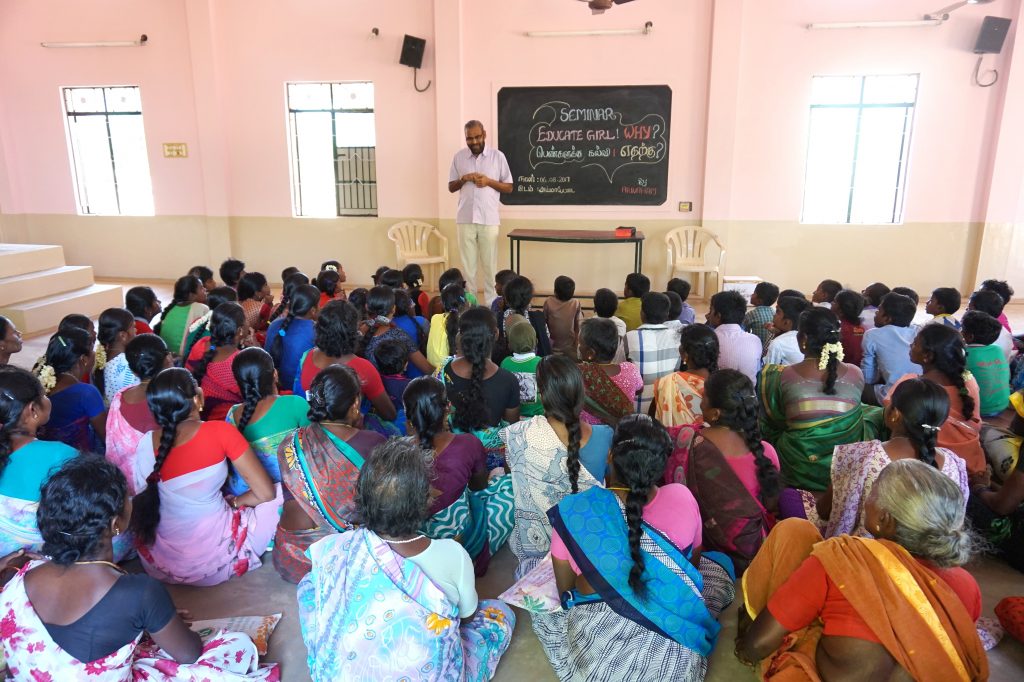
x=412 y=51
x=991 y=37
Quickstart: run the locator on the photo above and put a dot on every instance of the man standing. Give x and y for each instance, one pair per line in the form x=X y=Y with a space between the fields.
x=479 y=174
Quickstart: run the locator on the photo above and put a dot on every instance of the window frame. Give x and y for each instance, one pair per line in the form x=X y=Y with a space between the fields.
x=74 y=154
x=294 y=161
x=902 y=174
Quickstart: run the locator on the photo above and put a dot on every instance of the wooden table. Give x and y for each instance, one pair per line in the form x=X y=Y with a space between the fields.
x=517 y=237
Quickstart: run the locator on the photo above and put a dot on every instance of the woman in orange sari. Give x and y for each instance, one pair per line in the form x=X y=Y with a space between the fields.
x=870 y=609
x=677 y=396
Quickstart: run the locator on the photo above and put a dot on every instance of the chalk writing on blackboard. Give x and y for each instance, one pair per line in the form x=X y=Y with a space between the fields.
x=595 y=137
x=586 y=145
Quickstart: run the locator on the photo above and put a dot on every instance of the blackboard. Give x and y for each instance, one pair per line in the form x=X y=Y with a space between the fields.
x=586 y=145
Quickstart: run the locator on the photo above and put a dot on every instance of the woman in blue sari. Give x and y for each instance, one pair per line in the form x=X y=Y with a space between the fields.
x=641 y=600
x=78 y=417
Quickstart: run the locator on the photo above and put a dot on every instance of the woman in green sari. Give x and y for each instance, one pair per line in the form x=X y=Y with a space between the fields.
x=265 y=418
x=812 y=406
x=188 y=305
x=320 y=465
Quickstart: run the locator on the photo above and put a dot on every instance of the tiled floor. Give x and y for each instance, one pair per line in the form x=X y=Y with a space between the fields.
x=262 y=591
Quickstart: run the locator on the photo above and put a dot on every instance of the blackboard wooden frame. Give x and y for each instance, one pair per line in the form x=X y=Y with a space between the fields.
x=586 y=145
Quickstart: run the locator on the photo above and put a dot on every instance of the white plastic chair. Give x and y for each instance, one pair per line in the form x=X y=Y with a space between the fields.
x=412 y=245
x=688 y=253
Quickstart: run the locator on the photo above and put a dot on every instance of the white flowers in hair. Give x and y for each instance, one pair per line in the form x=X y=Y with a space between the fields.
x=828 y=349
x=332 y=268
x=101 y=357
x=47 y=377
x=930 y=428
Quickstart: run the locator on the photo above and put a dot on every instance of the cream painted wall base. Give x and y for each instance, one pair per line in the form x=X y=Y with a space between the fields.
x=920 y=255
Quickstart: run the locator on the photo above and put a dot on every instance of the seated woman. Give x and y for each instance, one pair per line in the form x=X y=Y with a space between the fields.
x=180 y=470
x=197 y=337
x=895 y=607
x=812 y=406
x=732 y=472
x=444 y=326
x=319 y=465
x=292 y=279
x=916 y=408
x=677 y=396
x=78 y=416
x=518 y=295
x=610 y=387
x=941 y=352
x=484 y=397
x=336 y=336
x=290 y=336
x=406 y=319
x=385 y=602
x=256 y=300
x=265 y=418
x=187 y=306
x=129 y=418
x=464 y=504
x=328 y=282
x=25 y=461
x=116 y=329
x=10 y=341
x=997 y=511
x=213 y=369
x=380 y=308
x=80 y=616
x=637 y=589
x=144 y=305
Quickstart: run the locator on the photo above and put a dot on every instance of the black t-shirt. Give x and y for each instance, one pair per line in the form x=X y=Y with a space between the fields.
x=134 y=603
x=501 y=392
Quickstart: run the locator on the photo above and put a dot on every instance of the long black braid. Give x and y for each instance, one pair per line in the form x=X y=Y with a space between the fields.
x=476 y=341
x=820 y=327
x=170 y=395
x=560 y=383
x=294 y=280
x=227 y=319
x=949 y=357
x=732 y=394
x=253 y=369
x=924 y=406
x=379 y=304
x=453 y=299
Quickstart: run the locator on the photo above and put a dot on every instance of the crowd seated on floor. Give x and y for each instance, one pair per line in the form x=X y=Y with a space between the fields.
x=832 y=462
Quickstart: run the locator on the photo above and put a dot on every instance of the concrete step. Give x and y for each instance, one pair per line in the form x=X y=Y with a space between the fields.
x=20 y=259
x=44 y=283
x=42 y=315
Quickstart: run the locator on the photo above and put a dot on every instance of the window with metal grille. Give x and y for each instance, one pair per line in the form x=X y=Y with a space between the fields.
x=107 y=145
x=333 y=149
x=858 y=148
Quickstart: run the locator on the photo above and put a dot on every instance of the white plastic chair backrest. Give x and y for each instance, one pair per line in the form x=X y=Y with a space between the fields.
x=411 y=237
x=689 y=244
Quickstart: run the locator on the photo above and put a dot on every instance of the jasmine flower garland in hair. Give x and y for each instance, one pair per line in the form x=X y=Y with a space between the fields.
x=835 y=348
x=101 y=357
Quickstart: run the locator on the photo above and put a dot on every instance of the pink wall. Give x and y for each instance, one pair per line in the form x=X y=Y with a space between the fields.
x=31 y=77
x=947 y=177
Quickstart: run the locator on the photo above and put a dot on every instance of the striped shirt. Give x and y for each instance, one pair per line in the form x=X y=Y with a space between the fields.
x=654 y=349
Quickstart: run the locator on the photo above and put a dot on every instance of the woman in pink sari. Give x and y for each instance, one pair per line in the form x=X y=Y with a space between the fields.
x=79 y=616
x=186 y=530
x=129 y=418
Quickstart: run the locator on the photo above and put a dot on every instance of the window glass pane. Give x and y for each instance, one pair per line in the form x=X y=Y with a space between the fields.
x=309 y=96
x=95 y=174
x=355 y=130
x=835 y=89
x=890 y=89
x=880 y=153
x=123 y=99
x=80 y=100
x=131 y=164
x=315 y=179
x=353 y=95
x=829 y=165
